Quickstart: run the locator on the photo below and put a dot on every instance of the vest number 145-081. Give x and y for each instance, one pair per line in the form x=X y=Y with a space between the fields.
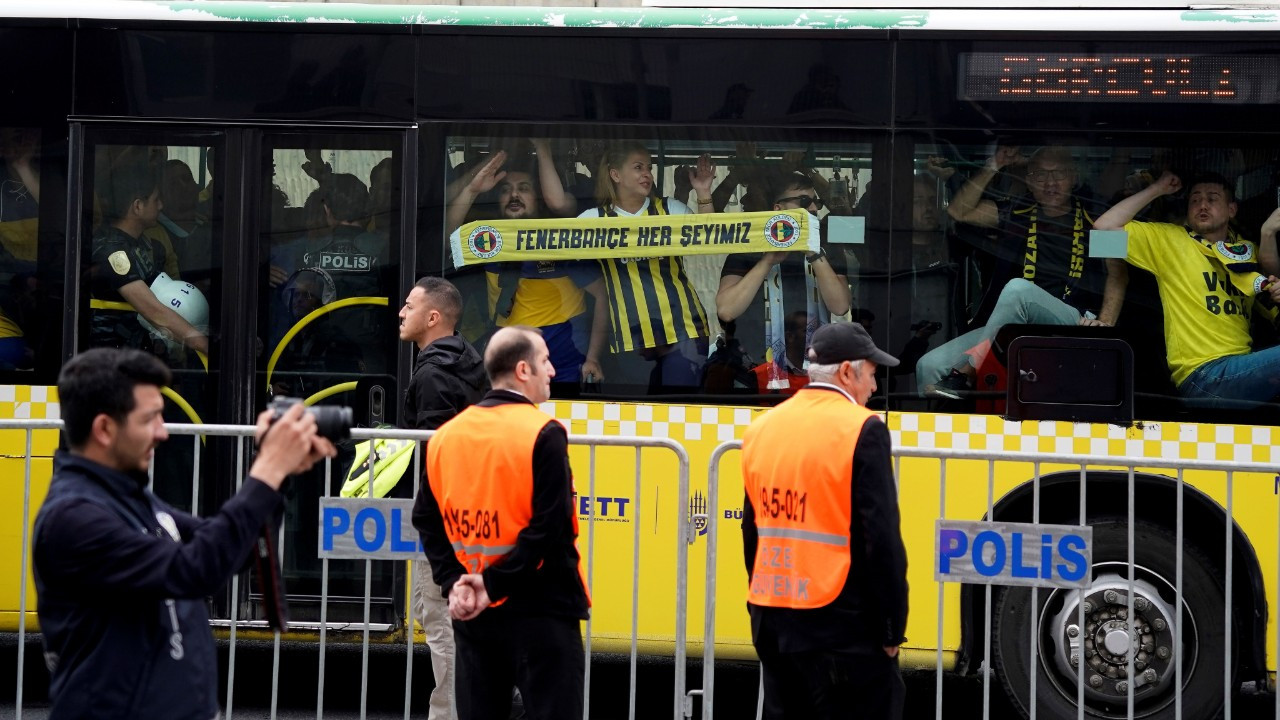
x=468 y=523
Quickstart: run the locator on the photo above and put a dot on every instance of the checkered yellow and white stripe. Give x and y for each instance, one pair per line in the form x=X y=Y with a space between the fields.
x=701 y=424
x=29 y=402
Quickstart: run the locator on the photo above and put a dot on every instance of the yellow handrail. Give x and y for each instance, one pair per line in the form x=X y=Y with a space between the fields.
x=329 y=392
x=309 y=318
x=184 y=405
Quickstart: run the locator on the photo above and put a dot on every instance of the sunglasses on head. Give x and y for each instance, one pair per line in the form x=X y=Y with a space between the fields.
x=803 y=200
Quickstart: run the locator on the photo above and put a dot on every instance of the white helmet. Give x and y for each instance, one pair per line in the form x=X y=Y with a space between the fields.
x=184 y=299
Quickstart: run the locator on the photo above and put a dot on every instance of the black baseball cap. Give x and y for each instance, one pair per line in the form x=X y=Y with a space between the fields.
x=836 y=342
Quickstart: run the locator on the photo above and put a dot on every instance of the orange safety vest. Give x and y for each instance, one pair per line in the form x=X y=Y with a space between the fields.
x=797 y=465
x=480 y=469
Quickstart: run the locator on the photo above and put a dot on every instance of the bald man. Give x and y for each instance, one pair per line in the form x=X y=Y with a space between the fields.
x=498 y=487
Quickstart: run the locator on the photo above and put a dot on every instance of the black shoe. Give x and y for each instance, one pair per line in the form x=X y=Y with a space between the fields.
x=953 y=387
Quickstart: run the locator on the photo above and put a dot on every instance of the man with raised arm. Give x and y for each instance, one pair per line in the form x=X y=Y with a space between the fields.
x=496 y=515
x=817 y=279
x=1056 y=281
x=550 y=296
x=1209 y=286
x=122 y=577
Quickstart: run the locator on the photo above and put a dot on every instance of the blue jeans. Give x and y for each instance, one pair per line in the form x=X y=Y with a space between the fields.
x=1253 y=376
x=1021 y=302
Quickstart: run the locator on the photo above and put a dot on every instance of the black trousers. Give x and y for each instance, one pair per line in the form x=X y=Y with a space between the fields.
x=542 y=656
x=826 y=685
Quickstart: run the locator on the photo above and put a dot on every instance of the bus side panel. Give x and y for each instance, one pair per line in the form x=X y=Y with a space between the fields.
x=22 y=402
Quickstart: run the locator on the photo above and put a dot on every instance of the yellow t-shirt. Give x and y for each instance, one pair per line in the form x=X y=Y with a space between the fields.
x=547 y=293
x=1205 y=316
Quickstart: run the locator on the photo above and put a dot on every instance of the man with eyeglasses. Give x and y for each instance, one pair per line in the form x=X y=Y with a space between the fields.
x=819 y=276
x=1043 y=242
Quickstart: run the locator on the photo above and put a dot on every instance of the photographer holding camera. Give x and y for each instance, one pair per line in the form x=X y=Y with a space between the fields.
x=121 y=576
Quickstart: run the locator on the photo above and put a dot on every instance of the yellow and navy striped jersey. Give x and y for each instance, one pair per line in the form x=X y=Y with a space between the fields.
x=651 y=302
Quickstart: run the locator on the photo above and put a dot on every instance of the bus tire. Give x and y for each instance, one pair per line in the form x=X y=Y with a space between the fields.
x=1106 y=629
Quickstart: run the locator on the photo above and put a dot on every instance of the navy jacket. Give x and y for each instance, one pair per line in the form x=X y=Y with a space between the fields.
x=121 y=579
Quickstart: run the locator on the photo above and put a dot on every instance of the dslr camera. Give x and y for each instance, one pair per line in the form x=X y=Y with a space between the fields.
x=332 y=421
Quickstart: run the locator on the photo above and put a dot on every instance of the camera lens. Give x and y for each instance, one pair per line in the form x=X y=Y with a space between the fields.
x=333 y=422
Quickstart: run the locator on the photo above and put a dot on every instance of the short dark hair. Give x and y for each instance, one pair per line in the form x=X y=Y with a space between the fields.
x=1213 y=178
x=500 y=360
x=781 y=184
x=444 y=295
x=131 y=182
x=101 y=382
x=347 y=197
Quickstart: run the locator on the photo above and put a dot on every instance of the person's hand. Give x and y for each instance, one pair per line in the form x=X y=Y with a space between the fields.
x=489 y=174
x=773 y=258
x=891 y=650
x=684 y=182
x=1270 y=226
x=288 y=446
x=541 y=146
x=1168 y=184
x=794 y=161
x=591 y=371
x=743 y=162
x=938 y=167
x=472 y=597
x=1273 y=288
x=702 y=176
x=1086 y=321
x=315 y=166
x=277 y=276
x=1006 y=155
x=462 y=600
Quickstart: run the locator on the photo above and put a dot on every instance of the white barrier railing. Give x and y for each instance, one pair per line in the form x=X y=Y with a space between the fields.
x=234 y=623
x=1124 y=688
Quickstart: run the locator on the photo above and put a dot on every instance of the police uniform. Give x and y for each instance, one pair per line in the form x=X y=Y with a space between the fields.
x=824 y=554
x=119 y=259
x=358 y=261
x=496 y=499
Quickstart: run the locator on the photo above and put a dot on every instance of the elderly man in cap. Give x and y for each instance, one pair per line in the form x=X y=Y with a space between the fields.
x=826 y=564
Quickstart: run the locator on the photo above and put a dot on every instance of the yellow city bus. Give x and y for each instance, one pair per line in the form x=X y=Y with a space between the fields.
x=267 y=127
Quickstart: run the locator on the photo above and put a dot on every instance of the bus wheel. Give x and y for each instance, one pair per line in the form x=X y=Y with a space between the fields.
x=1109 y=638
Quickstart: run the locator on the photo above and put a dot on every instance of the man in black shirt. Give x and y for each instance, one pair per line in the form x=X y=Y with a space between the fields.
x=818 y=278
x=1048 y=237
x=125 y=263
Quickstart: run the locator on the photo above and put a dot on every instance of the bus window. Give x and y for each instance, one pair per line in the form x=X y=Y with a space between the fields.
x=152 y=271
x=19 y=227
x=676 y=323
x=330 y=239
x=999 y=238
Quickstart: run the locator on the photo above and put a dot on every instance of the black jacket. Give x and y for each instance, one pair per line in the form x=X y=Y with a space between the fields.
x=122 y=602
x=447 y=377
x=539 y=577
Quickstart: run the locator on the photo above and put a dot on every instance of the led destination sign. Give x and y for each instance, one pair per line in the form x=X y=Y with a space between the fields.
x=1136 y=77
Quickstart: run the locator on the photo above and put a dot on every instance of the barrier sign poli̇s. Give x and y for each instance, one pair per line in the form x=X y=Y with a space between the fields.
x=368 y=529
x=1013 y=554
x=638 y=237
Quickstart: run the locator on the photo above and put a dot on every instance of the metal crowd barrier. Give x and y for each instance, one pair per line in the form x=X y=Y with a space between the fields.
x=1085 y=464
x=197 y=433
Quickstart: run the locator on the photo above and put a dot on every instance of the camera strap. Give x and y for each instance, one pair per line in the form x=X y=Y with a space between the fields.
x=266 y=566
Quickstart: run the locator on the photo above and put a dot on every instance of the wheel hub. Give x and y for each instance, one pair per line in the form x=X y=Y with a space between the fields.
x=1109 y=638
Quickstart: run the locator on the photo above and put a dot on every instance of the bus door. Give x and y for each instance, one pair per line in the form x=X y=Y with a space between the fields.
x=330 y=264
x=256 y=264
